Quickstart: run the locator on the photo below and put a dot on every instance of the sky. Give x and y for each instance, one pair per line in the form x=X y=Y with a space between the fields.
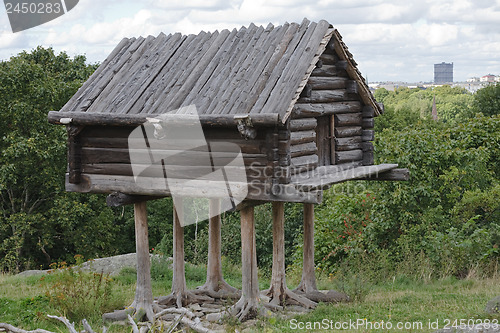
x=391 y=40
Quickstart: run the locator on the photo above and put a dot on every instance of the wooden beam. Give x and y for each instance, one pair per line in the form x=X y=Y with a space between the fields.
x=392 y=175
x=111 y=119
x=117 y=199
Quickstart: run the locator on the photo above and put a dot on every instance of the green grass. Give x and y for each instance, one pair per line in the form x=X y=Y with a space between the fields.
x=24 y=302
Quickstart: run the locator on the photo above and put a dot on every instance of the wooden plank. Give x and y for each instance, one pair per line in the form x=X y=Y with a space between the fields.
x=106 y=119
x=303 y=124
x=74 y=154
x=205 y=63
x=351 y=140
x=179 y=157
x=327 y=180
x=310 y=160
x=107 y=80
x=391 y=175
x=151 y=187
x=333 y=145
x=109 y=93
x=107 y=65
x=136 y=102
x=304 y=110
x=347 y=131
x=246 y=146
x=327 y=83
x=321 y=171
x=325 y=96
x=349 y=156
x=298 y=137
x=348 y=119
x=220 y=81
x=339 y=69
x=329 y=59
x=164 y=86
x=323 y=140
x=133 y=84
x=118 y=199
x=254 y=60
x=303 y=149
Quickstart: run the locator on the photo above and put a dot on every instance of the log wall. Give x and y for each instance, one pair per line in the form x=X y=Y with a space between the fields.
x=332 y=95
x=104 y=151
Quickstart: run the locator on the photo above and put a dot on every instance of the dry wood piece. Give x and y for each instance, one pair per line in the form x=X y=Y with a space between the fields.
x=307 y=286
x=143 y=302
x=278 y=291
x=180 y=296
x=215 y=285
x=9 y=328
x=248 y=306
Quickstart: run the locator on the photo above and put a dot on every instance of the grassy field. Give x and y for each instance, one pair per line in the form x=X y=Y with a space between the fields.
x=401 y=304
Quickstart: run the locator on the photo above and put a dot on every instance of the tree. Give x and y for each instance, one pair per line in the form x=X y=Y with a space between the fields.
x=487 y=100
x=32 y=159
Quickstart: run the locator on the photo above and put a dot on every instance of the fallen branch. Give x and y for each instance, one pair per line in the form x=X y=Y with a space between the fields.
x=196 y=326
x=183 y=311
x=134 y=325
x=65 y=321
x=12 y=329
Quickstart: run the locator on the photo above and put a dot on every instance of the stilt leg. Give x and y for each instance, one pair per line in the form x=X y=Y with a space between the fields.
x=278 y=291
x=180 y=295
x=307 y=286
x=215 y=285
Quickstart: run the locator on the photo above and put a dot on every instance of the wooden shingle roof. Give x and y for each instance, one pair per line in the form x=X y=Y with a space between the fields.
x=252 y=70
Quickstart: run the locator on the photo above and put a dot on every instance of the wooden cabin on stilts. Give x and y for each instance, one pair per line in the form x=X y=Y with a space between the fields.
x=285 y=107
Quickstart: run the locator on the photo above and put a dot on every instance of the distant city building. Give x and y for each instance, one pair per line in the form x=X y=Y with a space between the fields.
x=473 y=79
x=488 y=78
x=443 y=73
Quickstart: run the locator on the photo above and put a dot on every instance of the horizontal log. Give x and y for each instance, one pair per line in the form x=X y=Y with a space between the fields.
x=348 y=156
x=368 y=122
x=176 y=171
x=329 y=59
x=325 y=96
x=152 y=187
x=339 y=69
x=392 y=175
x=368 y=135
x=302 y=137
x=348 y=119
x=325 y=181
x=172 y=157
x=118 y=199
x=303 y=124
x=349 y=143
x=327 y=82
x=112 y=119
x=303 y=110
x=310 y=160
x=347 y=131
x=246 y=146
x=303 y=149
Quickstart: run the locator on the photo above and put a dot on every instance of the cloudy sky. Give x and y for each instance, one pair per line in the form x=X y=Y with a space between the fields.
x=392 y=40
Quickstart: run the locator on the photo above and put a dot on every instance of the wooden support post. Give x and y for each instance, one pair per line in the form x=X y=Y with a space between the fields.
x=308 y=281
x=180 y=296
x=278 y=291
x=143 y=302
x=307 y=286
x=215 y=285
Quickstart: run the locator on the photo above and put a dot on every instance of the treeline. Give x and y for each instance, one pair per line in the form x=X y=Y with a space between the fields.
x=444 y=221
